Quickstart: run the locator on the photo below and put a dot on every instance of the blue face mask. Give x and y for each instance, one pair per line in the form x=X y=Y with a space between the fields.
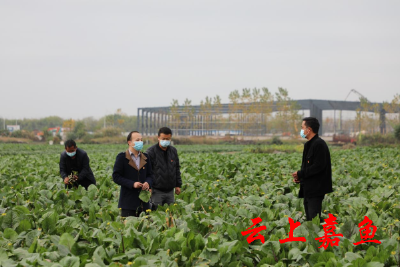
x=138 y=145
x=165 y=143
x=71 y=154
x=302 y=134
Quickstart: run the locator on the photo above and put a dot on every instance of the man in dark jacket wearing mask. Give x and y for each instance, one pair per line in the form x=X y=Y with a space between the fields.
x=315 y=176
x=75 y=160
x=167 y=174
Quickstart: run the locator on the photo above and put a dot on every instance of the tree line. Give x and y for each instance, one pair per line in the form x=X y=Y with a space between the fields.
x=250 y=113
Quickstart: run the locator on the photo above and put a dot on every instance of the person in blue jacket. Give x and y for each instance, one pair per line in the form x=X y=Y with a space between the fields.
x=133 y=172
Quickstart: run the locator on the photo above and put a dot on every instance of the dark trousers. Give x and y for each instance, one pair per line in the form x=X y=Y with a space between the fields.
x=313 y=207
x=159 y=197
x=135 y=213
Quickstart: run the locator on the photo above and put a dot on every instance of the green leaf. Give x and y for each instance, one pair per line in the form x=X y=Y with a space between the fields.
x=10 y=220
x=228 y=247
x=325 y=256
x=99 y=255
x=31 y=236
x=67 y=240
x=92 y=192
x=349 y=229
x=145 y=195
x=24 y=225
x=199 y=241
x=374 y=264
x=49 y=222
x=358 y=263
x=70 y=261
x=350 y=256
x=3 y=255
x=10 y=234
x=295 y=254
x=173 y=246
x=33 y=247
x=86 y=202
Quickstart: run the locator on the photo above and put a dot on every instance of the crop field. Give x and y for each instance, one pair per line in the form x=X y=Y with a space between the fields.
x=225 y=187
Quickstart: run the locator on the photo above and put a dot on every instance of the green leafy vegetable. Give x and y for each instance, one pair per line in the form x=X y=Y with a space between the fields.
x=145 y=196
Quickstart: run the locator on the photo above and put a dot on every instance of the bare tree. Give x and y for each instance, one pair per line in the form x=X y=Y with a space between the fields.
x=175 y=115
x=287 y=114
x=234 y=98
x=266 y=104
x=188 y=115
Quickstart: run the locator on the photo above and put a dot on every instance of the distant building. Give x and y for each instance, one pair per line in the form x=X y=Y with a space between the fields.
x=59 y=130
x=39 y=135
x=13 y=128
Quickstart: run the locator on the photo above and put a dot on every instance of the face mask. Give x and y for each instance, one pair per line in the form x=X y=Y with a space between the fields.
x=71 y=154
x=138 y=145
x=302 y=134
x=165 y=143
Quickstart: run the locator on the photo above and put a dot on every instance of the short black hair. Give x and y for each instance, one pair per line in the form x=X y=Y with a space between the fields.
x=70 y=143
x=128 y=138
x=313 y=123
x=164 y=130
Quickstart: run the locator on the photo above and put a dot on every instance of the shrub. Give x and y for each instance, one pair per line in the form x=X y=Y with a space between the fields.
x=276 y=141
x=397 y=132
x=376 y=139
x=111 y=131
x=23 y=134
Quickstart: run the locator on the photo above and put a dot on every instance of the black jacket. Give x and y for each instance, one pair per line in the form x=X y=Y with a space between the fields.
x=85 y=174
x=316 y=171
x=126 y=174
x=167 y=173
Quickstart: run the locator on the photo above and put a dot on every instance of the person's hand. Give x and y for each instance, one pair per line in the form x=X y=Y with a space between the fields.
x=137 y=185
x=66 y=180
x=296 y=180
x=145 y=186
x=295 y=175
x=177 y=190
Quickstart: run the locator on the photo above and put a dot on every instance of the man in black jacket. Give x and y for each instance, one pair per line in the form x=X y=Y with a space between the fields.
x=167 y=174
x=76 y=160
x=315 y=176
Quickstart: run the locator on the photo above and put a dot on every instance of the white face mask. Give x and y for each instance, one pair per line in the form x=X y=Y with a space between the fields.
x=137 y=145
x=302 y=134
x=165 y=143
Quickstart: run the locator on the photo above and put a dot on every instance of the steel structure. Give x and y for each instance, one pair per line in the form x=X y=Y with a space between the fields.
x=149 y=120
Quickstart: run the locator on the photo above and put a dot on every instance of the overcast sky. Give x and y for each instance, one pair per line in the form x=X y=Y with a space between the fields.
x=81 y=58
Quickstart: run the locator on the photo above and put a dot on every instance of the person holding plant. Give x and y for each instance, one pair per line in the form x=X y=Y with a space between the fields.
x=167 y=174
x=315 y=176
x=74 y=166
x=133 y=172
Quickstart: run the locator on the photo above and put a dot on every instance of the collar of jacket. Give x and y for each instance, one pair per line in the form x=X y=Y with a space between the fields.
x=312 y=140
x=132 y=164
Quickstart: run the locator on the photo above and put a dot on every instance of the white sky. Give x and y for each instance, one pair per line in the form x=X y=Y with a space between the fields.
x=80 y=58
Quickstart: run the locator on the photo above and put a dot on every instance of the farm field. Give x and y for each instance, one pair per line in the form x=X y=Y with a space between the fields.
x=43 y=224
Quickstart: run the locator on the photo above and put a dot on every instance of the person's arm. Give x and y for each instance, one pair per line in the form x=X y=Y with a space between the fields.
x=150 y=155
x=118 y=173
x=178 y=172
x=85 y=171
x=149 y=173
x=63 y=167
x=319 y=164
